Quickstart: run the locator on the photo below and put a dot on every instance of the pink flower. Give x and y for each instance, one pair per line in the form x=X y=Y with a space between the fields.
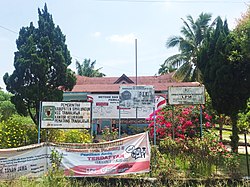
x=168 y=125
x=207 y=117
x=207 y=124
x=181 y=136
x=188 y=123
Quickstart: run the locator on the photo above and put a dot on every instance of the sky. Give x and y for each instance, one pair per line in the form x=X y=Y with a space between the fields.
x=106 y=30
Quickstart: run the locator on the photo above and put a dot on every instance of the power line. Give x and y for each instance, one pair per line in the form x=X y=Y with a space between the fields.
x=171 y=1
x=8 y=29
x=77 y=57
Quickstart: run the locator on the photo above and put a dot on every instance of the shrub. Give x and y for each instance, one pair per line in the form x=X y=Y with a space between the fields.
x=183 y=122
x=69 y=136
x=17 y=131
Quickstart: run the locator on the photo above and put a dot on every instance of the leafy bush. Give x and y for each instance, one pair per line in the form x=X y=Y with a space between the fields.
x=182 y=122
x=68 y=136
x=17 y=131
x=109 y=134
x=196 y=157
x=244 y=118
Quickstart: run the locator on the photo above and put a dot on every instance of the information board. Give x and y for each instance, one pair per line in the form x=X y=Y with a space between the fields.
x=106 y=106
x=137 y=96
x=65 y=115
x=186 y=95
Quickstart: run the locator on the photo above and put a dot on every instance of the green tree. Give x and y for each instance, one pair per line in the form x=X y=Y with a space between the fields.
x=41 y=62
x=189 y=44
x=7 y=108
x=87 y=68
x=225 y=66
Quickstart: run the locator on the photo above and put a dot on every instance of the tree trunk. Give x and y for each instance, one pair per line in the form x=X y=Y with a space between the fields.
x=235 y=131
x=220 y=129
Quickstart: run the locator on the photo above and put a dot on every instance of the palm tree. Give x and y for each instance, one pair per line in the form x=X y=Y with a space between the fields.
x=194 y=32
x=87 y=68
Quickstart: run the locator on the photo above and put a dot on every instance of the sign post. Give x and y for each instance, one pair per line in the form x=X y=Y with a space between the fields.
x=65 y=115
x=136 y=97
x=187 y=96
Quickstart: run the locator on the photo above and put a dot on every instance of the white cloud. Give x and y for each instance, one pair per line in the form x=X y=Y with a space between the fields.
x=126 y=38
x=96 y=34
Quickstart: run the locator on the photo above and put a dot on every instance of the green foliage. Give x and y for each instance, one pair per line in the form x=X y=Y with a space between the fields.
x=194 y=157
x=40 y=66
x=87 y=69
x=109 y=134
x=244 y=118
x=7 y=109
x=194 y=32
x=77 y=136
x=17 y=131
x=225 y=66
x=55 y=159
x=67 y=136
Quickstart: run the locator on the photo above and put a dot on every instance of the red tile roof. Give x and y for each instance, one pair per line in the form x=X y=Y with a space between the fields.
x=107 y=84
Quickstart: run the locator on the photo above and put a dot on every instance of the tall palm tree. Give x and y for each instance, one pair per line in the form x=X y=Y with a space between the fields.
x=87 y=68
x=189 y=44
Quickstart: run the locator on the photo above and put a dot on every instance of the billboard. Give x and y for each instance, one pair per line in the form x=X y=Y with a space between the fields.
x=137 y=96
x=106 y=106
x=186 y=95
x=65 y=115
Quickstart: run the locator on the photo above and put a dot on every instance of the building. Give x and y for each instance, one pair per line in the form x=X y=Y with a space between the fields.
x=104 y=94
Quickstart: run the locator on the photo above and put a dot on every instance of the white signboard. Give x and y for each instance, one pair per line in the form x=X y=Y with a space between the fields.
x=137 y=96
x=106 y=106
x=65 y=115
x=186 y=95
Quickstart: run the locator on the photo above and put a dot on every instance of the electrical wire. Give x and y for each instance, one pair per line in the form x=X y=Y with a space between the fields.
x=172 y=1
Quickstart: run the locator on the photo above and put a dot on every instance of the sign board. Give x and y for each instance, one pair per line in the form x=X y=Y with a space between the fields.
x=137 y=96
x=106 y=106
x=65 y=115
x=186 y=95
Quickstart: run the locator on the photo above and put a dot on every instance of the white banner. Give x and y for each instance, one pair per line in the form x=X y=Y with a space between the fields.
x=137 y=96
x=106 y=106
x=27 y=161
x=65 y=115
x=118 y=157
x=186 y=95
x=123 y=156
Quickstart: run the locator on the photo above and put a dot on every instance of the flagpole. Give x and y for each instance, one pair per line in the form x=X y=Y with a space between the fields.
x=136 y=112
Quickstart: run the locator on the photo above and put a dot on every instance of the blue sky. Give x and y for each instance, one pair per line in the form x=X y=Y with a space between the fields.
x=105 y=30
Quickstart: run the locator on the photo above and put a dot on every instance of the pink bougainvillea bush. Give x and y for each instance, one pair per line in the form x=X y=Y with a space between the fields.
x=179 y=138
x=180 y=121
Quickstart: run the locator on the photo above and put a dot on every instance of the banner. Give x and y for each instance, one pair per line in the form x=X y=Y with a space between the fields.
x=118 y=157
x=124 y=156
x=30 y=161
x=65 y=115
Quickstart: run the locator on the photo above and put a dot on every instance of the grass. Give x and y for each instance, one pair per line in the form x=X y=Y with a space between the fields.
x=133 y=180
